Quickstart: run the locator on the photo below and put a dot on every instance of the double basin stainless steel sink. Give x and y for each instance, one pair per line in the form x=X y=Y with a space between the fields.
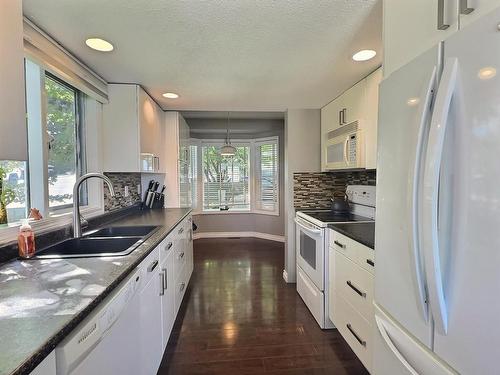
x=105 y=242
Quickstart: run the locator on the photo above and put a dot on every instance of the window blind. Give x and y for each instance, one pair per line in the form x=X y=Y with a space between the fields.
x=226 y=179
x=267 y=175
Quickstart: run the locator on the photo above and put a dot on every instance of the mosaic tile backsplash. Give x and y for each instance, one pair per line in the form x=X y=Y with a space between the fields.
x=314 y=190
x=120 y=180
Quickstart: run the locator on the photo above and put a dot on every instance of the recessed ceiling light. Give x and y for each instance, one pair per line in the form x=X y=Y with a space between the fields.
x=364 y=55
x=99 y=44
x=413 y=101
x=171 y=95
x=487 y=73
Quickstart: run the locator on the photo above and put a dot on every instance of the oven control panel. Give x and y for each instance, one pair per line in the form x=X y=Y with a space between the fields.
x=361 y=194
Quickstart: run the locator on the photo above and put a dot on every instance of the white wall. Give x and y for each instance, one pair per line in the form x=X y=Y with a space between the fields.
x=302 y=154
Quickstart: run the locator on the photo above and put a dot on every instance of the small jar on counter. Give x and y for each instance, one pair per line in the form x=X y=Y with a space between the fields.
x=26 y=240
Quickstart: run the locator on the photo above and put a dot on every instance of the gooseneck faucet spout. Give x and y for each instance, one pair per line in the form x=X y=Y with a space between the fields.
x=77 y=224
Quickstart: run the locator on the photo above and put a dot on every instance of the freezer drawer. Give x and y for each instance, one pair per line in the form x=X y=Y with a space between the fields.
x=355 y=330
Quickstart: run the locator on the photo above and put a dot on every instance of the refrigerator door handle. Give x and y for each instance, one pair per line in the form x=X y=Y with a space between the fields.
x=392 y=347
x=415 y=239
x=430 y=207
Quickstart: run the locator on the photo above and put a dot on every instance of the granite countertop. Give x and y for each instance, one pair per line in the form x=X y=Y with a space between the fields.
x=363 y=233
x=42 y=301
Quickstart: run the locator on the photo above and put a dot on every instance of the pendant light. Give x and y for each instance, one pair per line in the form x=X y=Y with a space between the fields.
x=227 y=149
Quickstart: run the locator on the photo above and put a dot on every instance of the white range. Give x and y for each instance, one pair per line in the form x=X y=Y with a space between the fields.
x=311 y=245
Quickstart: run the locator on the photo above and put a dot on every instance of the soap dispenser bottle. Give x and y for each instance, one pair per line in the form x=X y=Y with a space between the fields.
x=26 y=240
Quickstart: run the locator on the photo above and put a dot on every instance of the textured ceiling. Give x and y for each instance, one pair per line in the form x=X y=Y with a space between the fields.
x=242 y=55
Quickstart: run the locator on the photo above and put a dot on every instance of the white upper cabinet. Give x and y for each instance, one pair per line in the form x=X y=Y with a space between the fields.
x=177 y=160
x=359 y=103
x=471 y=10
x=13 y=132
x=133 y=131
x=412 y=27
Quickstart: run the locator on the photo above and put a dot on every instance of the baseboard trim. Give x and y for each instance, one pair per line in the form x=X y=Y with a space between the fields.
x=263 y=236
x=285 y=276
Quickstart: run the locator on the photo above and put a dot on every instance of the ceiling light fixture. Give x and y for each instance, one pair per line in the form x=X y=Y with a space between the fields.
x=364 y=55
x=170 y=95
x=99 y=44
x=487 y=73
x=228 y=149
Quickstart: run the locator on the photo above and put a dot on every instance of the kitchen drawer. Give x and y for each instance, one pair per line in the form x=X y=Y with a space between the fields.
x=180 y=289
x=355 y=285
x=355 y=330
x=366 y=258
x=312 y=296
x=344 y=245
x=150 y=266
x=167 y=246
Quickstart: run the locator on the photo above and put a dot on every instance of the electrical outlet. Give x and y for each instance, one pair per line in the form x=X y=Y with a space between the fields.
x=127 y=192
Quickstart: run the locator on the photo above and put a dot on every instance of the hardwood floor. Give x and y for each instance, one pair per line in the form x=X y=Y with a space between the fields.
x=240 y=317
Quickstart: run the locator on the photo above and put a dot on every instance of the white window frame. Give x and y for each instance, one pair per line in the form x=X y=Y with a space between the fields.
x=256 y=160
x=220 y=143
x=252 y=143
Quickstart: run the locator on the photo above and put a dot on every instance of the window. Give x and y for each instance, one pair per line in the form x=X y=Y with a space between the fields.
x=13 y=191
x=267 y=175
x=226 y=180
x=63 y=146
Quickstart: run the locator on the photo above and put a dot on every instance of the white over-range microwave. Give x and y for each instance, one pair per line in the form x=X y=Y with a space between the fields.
x=344 y=148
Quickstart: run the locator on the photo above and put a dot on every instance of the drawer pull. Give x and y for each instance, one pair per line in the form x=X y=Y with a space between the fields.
x=341 y=245
x=181 y=231
x=152 y=266
x=181 y=255
x=162 y=283
x=370 y=262
x=362 y=294
x=165 y=280
x=169 y=245
x=349 y=327
x=183 y=285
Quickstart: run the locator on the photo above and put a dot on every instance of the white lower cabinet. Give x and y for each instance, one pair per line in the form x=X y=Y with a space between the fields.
x=150 y=336
x=167 y=298
x=351 y=284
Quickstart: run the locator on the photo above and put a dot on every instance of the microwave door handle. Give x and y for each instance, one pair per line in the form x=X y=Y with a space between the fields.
x=346 y=143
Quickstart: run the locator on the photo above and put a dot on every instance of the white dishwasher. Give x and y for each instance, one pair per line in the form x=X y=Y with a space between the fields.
x=106 y=341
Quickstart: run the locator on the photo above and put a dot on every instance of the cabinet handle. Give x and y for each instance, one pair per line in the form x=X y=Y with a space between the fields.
x=340 y=117
x=344 y=112
x=152 y=266
x=181 y=255
x=180 y=231
x=370 y=262
x=165 y=279
x=440 y=22
x=349 y=327
x=362 y=294
x=183 y=285
x=341 y=245
x=162 y=285
x=169 y=246
x=464 y=7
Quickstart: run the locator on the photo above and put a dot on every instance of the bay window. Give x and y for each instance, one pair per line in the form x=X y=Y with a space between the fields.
x=245 y=182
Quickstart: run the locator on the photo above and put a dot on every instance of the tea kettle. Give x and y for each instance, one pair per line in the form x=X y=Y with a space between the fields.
x=340 y=204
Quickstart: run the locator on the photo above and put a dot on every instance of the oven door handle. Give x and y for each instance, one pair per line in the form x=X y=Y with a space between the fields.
x=302 y=226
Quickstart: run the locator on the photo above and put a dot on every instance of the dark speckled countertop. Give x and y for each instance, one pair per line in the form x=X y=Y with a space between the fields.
x=42 y=301
x=361 y=232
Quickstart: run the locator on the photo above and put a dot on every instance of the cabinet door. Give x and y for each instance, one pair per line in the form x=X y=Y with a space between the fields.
x=410 y=28
x=471 y=10
x=168 y=298
x=149 y=124
x=352 y=103
x=150 y=323
x=120 y=130
x=13 y=134
x=370 y=118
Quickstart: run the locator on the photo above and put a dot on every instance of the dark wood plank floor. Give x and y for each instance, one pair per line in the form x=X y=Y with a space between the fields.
x=240 y=317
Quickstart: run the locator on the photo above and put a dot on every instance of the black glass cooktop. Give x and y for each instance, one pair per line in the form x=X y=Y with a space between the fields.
x=330 y=217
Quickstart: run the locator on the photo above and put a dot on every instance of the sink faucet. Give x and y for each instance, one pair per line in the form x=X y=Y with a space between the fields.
x=77 y=225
